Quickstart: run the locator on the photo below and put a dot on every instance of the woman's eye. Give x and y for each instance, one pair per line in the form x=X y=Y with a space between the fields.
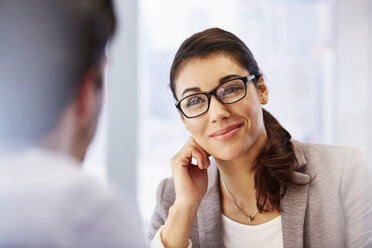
x=232 y=89
x=195 y=101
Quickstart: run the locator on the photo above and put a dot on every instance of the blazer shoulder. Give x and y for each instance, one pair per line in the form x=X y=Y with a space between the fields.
x=332 y=155
x=330 y=162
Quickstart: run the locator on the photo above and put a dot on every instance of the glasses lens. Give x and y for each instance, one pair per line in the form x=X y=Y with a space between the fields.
x=231 y=91
x=194 y=105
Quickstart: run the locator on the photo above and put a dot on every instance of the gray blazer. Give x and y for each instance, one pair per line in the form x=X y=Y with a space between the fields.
x=333 y=210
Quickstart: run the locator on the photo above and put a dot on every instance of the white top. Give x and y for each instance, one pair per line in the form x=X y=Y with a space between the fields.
x=266 y=235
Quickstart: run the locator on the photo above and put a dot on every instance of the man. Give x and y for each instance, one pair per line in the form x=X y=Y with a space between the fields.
x=52 y=57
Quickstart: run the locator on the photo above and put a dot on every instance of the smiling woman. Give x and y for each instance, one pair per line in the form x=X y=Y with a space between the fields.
x=260 y=186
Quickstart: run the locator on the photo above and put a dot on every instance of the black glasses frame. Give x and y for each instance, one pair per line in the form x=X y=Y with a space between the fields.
x=214 y=93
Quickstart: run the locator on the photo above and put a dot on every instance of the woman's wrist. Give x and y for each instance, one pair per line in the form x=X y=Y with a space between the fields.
x=185 y=206
x=176 y=230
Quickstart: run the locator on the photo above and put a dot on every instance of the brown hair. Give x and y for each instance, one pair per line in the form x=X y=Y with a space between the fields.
x=276 y=162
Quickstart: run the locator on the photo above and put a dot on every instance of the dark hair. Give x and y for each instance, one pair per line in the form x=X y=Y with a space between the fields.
x=46 y=47
x=102 y=25
x=212 y=41
x=276 y=162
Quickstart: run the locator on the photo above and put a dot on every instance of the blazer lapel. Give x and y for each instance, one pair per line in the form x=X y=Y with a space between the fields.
x=294 y=204
x=209 y=212
x=293 y=212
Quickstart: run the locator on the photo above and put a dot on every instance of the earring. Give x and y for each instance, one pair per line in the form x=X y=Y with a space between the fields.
x=264 y=100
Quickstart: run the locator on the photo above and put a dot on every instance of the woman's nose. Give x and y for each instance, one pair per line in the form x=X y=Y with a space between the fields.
x=218 y=111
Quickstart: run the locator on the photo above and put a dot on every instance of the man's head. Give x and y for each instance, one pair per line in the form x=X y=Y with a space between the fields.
x=52 y=54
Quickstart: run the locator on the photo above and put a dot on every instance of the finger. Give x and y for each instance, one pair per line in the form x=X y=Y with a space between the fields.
x=193 y=142
x=206 y=161
x=195 y=153
x=187 y=156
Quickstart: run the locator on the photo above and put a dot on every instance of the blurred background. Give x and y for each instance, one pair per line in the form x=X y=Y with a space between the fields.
x=316 y=56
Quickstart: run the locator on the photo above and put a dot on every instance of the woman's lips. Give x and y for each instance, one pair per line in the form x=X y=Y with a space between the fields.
x=226 y=133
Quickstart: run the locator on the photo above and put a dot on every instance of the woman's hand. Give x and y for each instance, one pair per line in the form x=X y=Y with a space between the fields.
x=191 y=184
x=190 y=181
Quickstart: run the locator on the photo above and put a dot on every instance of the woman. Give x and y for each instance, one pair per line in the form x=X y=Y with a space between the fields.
x=261 y=189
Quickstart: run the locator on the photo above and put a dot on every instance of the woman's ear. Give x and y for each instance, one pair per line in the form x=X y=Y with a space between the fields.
x=263 y=91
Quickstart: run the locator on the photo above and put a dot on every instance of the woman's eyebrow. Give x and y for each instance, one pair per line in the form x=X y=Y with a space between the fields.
x=197 y=89
x=221 y=81
x=225 y=78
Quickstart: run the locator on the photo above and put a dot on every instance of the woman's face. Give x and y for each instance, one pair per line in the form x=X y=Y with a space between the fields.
x=226 y=131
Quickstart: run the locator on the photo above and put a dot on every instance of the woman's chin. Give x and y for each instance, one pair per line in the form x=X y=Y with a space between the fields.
x=227 y=155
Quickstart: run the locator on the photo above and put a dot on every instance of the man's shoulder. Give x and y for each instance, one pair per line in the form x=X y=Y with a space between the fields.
x=47 y=176
x=52 y=186
x=57 y=199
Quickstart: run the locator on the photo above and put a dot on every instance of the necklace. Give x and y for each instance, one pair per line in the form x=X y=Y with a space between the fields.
x=251 y=217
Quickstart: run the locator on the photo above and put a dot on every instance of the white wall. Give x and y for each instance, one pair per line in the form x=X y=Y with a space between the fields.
x=353 y=85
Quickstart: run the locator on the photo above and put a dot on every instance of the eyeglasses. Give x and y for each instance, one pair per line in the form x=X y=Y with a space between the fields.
x=229 y=92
